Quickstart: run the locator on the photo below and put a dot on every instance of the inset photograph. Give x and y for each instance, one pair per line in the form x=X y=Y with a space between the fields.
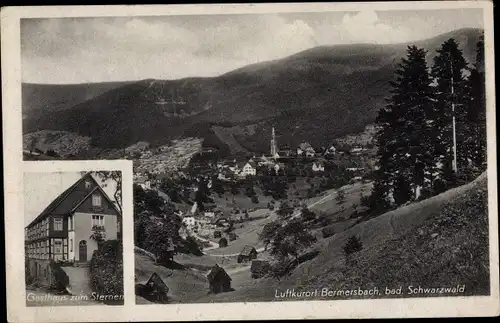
x=73 y=238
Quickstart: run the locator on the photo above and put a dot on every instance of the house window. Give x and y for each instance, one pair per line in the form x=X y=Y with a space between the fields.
x=96 y=200
x=58 y=224
x=98 y=220
x=57 y=246
x=87 y=184
x=70 y=245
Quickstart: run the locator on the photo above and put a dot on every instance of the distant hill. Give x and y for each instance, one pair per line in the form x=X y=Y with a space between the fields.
x=315 y=95
x=43 y=98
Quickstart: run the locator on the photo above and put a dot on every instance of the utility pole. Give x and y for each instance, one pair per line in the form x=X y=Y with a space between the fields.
x=454 y=166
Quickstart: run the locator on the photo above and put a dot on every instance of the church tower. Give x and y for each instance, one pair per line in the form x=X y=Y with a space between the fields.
x=274 y=145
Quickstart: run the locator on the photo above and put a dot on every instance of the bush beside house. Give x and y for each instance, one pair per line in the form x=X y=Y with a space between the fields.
x=106 y=270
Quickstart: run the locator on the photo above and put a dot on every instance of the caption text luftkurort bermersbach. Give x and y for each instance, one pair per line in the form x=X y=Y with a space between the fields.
x=375 y=291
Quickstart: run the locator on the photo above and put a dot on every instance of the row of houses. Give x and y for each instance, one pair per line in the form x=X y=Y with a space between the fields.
x=229 y=170
x=305 y=149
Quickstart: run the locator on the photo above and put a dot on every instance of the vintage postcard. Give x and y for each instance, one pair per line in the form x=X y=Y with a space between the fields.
x=73 y=237
x=257 y=161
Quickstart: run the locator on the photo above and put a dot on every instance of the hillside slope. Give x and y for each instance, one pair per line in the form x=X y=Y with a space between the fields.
x=316 y=95
x=438 y=242
x=184 y=285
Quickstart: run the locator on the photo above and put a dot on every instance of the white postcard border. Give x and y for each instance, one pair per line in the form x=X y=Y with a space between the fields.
x=14 y=167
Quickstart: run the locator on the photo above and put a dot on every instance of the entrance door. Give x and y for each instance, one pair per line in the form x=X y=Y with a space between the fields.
x=82 y=251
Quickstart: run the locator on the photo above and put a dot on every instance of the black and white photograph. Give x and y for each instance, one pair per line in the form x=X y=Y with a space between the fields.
x=73 y=238
x=282 y=156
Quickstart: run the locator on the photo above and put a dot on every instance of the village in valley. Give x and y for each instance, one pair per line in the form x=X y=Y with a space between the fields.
x=224 y=205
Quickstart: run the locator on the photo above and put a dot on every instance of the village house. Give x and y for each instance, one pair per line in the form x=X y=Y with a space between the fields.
x=330 y=151
x=356 y=150
x=279 y=166
x=210 y=210
x=310 y=152
x=249 y=169
x=144 y=182
x=154 y=290
x=318 y=166
x=247 y=254
x=356 y=179
x=190 y=222
x=305 y=149
x=224 y=174
x=354 y=169
x=222 y=243
x=209 y=214
x=222 y=222
x=63 y=230
x=219 y=280
x=233 y=166
x=264 y=160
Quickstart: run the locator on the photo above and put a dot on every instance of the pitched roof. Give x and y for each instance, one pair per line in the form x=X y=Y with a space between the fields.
x=64 y=195
x=217 y=273
x=58 y=200
x=247 y=250
x=305 y=145
x=220 y=219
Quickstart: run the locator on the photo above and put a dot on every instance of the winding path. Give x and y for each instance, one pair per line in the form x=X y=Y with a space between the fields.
x=321 y=200
x=259 y=250
x=232 y=254
x=79 y=280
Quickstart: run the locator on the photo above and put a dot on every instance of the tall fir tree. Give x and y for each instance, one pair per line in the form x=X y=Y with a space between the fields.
x=451 y=90
x=476 y=113
x=405 y=162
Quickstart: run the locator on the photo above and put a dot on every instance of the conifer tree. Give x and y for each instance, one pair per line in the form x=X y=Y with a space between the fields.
x=450 y=84
x=476 y=113
x=404 y=136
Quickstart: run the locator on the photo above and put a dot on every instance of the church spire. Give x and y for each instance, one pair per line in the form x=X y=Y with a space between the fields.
x=274 y=145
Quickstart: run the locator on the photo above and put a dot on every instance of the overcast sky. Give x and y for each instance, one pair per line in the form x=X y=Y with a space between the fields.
x=40 y=189
x=77 y=50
